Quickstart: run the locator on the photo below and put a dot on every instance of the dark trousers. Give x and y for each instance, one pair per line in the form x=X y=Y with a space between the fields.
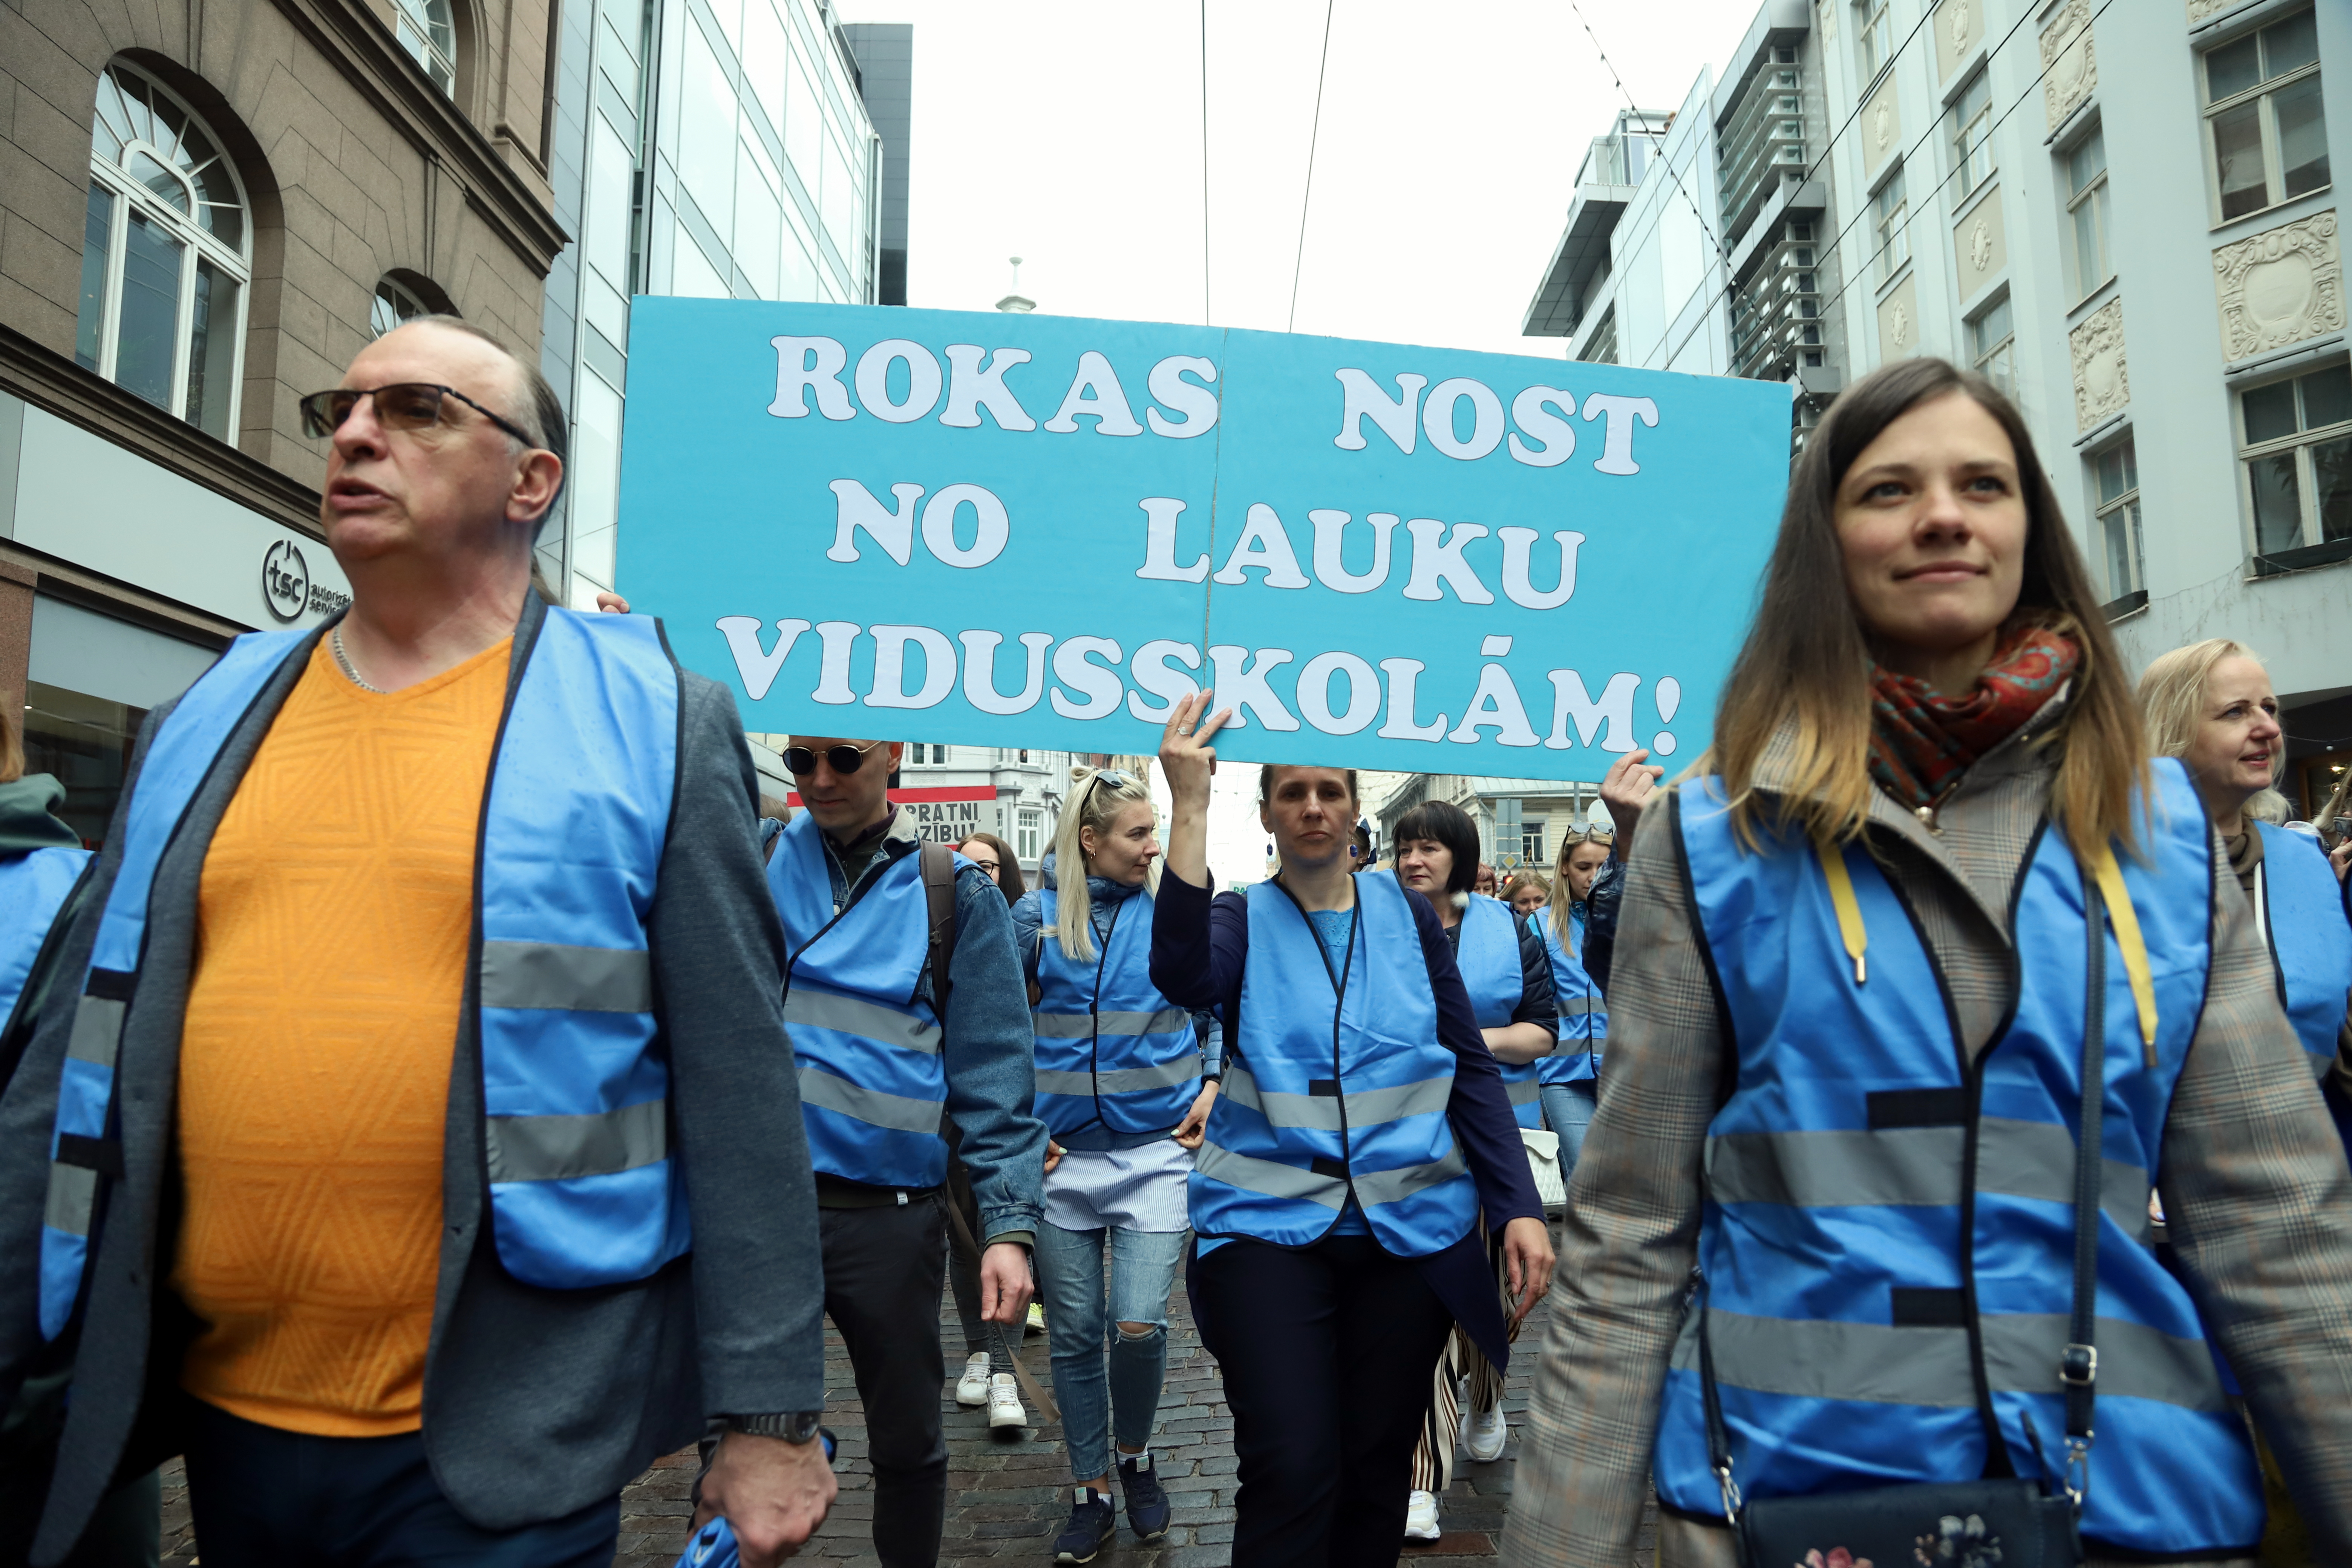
x=883 y=1274
x=269 y=1499
x=1322 y=1351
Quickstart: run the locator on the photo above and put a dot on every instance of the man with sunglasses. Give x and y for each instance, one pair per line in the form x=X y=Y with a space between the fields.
x=417 y=1148
x=885 y=1045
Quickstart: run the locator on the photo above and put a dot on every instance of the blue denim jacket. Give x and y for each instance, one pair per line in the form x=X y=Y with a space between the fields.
x=1028 y=933
x=988 y=1045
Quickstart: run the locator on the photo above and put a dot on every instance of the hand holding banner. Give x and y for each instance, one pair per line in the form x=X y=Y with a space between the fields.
x=984 y=528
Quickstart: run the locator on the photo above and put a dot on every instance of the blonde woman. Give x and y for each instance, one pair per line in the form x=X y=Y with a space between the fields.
x=1124 y=1090
x=2211 y=705
x=1570 y=1078
x=1924 y=893
x=1525 y=893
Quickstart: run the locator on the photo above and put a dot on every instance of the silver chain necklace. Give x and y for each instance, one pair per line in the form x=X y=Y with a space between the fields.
x=335 y=641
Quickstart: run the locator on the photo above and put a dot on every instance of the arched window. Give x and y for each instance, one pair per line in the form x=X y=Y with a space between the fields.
x=395 y=302
x=427 y=32
x=164 y=255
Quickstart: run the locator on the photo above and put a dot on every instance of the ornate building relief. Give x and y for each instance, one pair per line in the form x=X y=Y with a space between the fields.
x=2279 y=287
x=1898 y=322
x=2200 y=9
x=1882 y=126
x=1979 y=245
x=1959 y=28
x=2101 y=383
x=2069 y=64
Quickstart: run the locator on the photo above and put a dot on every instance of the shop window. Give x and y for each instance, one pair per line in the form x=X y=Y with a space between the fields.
x=1971 y=128
x=163 y=268
x=2086 y=213
x=2267 y=133
x=85 y=742
x=2116 y=473
x=1890 y=225
x=427 y=31
x=1992 y=346
x=2295 y=448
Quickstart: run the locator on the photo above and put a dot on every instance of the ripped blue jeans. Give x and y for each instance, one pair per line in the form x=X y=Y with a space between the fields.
x=1102 y=1378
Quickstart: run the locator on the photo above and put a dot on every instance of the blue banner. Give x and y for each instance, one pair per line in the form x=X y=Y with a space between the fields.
x=989 y=529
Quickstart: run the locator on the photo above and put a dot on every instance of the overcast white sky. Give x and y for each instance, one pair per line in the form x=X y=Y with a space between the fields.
x=1070 y=135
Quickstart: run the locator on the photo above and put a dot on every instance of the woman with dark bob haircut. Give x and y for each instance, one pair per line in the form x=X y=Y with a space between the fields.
x=1824 y=1271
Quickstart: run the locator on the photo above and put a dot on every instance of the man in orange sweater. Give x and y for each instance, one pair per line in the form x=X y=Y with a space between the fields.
x=427 y=1156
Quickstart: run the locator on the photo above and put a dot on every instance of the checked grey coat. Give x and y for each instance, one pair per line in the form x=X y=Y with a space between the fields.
x=2253 y=1178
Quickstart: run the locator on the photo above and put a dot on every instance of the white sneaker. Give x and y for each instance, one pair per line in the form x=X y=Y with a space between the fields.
x=1004 y=1402
x=1421 y=1516
x=972 y=1388
x=1484 y=1433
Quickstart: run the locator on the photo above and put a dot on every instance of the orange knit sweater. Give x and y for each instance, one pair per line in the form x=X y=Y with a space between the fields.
x=333 y=924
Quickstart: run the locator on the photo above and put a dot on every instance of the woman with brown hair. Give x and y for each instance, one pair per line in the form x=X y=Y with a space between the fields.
x=1827 y=1265
x=996 y=857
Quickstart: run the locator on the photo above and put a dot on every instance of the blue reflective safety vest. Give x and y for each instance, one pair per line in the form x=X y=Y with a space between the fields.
x=1110 y=1048
x=2300 y=909
x=575 y=1080
x=872 y=1088
x=32 y=887
x=1323 y=1097
x=1487 y=951
x=1583 y=1016
x=1888 y=1231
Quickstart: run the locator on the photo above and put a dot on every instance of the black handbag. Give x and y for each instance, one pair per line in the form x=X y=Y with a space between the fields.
x=2012 y=1522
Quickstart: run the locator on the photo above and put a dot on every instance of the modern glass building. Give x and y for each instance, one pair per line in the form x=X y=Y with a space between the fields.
x=719 y=149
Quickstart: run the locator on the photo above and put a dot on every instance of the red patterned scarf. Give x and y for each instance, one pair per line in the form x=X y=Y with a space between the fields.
x=1921 y=742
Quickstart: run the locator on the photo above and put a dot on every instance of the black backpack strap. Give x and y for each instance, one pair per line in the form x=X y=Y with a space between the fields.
x=939 y=874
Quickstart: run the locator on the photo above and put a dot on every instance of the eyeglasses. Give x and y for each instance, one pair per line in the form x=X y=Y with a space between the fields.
x=402 y=406
x=843 y=759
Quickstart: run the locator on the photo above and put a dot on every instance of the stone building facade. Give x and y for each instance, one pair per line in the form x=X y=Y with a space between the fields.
x=205 y=209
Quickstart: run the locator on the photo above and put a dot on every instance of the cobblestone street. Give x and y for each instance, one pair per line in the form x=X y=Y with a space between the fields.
x=1007 y=1496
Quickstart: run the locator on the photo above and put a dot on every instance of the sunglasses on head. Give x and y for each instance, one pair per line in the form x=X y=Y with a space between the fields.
x=402 y=406
x=843 y=759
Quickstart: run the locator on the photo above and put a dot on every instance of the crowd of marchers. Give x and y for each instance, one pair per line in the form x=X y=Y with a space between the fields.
x=444 y=1093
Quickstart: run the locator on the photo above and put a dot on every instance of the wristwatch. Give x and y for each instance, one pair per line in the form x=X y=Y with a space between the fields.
x=793 y=1426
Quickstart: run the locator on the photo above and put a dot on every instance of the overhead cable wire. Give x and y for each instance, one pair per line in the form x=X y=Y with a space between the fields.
x=1204 y=163
x=1672 y=173
x=1313 y=136
x=1861 y=100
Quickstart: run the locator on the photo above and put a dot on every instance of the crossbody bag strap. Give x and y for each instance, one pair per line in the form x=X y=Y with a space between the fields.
x=2078 y=1364
x=1719 y=1435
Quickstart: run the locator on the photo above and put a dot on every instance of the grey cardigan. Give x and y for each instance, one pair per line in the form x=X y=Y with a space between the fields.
x=537 y=1402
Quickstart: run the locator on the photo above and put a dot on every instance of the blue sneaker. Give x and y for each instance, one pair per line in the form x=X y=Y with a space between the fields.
x=1094 y=1519
x=1147 y=1501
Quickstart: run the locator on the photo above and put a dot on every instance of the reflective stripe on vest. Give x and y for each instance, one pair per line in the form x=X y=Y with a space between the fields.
x=82 y=1142
x=1111 y=1050
x=32 y=887
x=1583 y=1020
x=1337 y=1083
x=872 y=1085
x=1874 y=1207
x=575 y=817
x=1487 y=951
x=2301 y=909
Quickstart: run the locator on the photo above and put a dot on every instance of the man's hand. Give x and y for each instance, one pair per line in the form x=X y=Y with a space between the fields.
x=1004 y=1288
x=773 y=1493
x=612 y=604
x=1527 y=1254
x=1191 y=1131
x=1625 y=791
